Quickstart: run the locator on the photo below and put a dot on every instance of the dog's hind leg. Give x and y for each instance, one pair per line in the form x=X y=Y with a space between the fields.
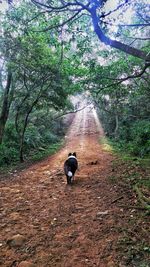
x=68 y=180
x=72 y=179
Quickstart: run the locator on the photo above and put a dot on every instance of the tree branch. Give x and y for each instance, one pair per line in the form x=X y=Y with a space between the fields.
x=126 y=78
x=137 y=38
x=71 y=112
x=61 y=24
x=126 y=25
x=92 y=7
x=113 y=43
x=116 y=9
x=50 y=7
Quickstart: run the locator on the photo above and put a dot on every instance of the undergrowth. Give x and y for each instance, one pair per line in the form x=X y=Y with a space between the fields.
x=34 y=156
x=131 y=175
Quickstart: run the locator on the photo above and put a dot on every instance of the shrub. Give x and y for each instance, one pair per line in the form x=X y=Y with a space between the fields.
x=8 y=154
x=140 y=138
x=135 y=138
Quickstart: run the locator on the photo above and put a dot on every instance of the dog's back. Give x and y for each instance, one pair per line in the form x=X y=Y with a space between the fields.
x=70 y=165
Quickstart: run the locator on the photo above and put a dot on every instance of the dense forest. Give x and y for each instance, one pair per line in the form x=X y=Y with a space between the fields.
x=74 y=87
x=51 y=50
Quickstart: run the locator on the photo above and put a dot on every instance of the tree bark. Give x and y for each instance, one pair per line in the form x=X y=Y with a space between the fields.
x=5 y=106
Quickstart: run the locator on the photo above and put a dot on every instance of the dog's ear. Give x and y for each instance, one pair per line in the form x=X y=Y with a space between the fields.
x=69 y=154
x=74 y=154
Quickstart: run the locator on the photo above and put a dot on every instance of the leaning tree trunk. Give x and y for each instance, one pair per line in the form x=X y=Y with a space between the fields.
x=22 y=135
x=5 y=106
x=25 y=126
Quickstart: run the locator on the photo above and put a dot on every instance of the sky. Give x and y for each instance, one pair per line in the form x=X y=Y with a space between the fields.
x=3 y=5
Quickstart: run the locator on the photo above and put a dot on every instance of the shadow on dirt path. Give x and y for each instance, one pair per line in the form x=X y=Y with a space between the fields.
x=62 y=225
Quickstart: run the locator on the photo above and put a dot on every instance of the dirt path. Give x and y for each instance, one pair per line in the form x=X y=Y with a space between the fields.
x=63 y=226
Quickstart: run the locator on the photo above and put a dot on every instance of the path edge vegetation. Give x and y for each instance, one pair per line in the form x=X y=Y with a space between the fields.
x=130 y=175
x=37 y=156
x=130 y=161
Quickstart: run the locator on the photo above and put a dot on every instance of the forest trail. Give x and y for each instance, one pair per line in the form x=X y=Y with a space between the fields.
x=61 y=225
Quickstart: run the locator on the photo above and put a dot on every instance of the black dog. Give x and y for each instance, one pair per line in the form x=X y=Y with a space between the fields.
x=70 y=167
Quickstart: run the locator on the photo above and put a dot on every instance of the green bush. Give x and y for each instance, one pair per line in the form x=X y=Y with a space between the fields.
x=9 y=149
x=32 y=139
x=135 y=138
x=8 y=154
x=140 y=138
x=35 y=138
x=38 y=143
x=11 y=136
x=42 y=153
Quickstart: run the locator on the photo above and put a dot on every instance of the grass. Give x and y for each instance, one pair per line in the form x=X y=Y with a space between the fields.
x=106 y=144
x=111 y=146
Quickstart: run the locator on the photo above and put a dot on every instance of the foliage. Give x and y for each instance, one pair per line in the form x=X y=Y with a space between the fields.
x=9 y=149
x=52 y=55
x=99 y=17
x=130 y=173
x=40 y=141
x=41 y=80
x=124 y=108
x=139 y=140
x=50 y=150
x=8 y=154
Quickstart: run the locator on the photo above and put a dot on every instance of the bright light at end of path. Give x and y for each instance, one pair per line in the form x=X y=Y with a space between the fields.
x=97 y=122
x=103 y=140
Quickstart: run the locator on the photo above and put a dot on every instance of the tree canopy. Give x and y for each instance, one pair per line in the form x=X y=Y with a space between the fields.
x=95 y=14
x=53 y=49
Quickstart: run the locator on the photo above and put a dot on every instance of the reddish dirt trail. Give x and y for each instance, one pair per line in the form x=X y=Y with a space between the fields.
x=63 y=226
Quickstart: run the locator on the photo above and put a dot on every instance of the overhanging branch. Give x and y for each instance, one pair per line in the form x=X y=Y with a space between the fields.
x=116 y=44
x=92 y=7
x=54 y=8
x=125 y=78
x=61 y=24
x=71 y=112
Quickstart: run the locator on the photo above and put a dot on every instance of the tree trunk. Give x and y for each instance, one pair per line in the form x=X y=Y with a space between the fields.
x=117 y=126
x=5 y=106
x=21 y=149
x=25 y=126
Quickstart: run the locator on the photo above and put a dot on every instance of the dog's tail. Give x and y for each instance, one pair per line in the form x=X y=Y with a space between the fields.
x=70 y=174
